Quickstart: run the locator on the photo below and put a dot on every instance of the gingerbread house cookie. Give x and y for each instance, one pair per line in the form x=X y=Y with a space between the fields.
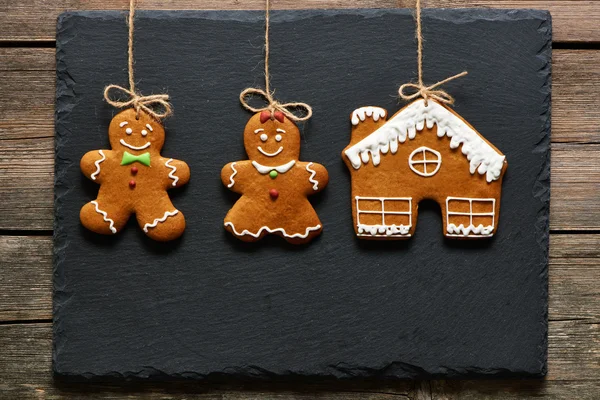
x=424 y=151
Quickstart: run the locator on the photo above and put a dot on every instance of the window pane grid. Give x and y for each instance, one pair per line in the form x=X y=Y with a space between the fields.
x=383 y=227
x=471 y=214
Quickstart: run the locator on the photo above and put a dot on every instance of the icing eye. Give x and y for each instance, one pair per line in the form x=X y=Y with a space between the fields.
x=278 y=138
x=264 y=137
x=144 y=132
x=128 y=131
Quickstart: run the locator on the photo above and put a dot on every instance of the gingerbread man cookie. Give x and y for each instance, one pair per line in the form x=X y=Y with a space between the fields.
x=134 y=179
x=273 y=183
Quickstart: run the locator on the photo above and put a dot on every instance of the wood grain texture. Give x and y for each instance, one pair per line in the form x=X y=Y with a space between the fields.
x=27 y=147
x=26 y=278
x=574 y=308
x=574 y=21
x=25 y=373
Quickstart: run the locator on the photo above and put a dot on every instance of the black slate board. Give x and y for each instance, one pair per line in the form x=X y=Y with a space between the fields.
x=207 y=304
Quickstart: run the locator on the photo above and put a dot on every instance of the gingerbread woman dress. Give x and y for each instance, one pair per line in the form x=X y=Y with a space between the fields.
x=273 y=183
x=134 y=179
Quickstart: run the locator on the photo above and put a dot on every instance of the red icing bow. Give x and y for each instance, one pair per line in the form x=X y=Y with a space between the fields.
x=266 y=115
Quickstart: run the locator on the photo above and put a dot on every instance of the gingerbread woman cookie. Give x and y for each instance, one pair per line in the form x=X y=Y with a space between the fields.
x=273 y=183
x=134 y=179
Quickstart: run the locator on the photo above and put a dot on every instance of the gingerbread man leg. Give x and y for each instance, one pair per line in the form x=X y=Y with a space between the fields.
x=160 y=220
x=103 y=217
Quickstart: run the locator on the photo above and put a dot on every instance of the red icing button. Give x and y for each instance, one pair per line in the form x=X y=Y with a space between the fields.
x=273 y=193
x=134 y=170
x=132 y=184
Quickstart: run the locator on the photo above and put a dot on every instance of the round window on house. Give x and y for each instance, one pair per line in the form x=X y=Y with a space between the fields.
x=425 y=161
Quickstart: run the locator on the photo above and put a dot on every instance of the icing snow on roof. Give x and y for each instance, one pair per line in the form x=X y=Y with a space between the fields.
x=482 y=157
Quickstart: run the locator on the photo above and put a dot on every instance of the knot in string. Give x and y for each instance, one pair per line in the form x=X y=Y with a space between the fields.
x=411 y=91
x=273 y=105
x=138 y=102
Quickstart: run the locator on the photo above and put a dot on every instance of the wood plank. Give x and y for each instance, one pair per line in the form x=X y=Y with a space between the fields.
x=26 y=278
x=573 y=20
x=513 y=390
x=575 y=81
x=574 y=201
x=574 y=306
x=27 y=128
x=25 y=365
x=574 y=278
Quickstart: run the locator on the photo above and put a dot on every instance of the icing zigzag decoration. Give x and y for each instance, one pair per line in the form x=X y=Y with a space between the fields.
x=422 y=152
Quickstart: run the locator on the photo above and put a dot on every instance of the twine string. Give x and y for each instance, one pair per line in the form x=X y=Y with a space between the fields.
x=136 y=99
x=272 y=104
x=411 y=91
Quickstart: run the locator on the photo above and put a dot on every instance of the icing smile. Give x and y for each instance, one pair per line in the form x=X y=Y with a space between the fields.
x=264 y=152
x=124 y=143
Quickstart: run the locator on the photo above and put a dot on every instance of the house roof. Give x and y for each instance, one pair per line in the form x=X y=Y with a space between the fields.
x=482 y=156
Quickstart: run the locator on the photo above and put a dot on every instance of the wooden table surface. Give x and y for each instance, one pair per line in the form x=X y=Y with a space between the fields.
x=27 y=79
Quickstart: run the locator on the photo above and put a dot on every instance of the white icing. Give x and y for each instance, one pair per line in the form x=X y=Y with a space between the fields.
x=360 y=114
x=278 y=138
x=157 y=220
x=172 y=173
x=97 y=164
x=312 y=176
x=264 y=137
x=122 y=124
x=280 y=130
x=258 y=130
x=149 y=127
x=128 y=131
x=270 y=154
x=462 y=230
x=424 y=150
x=124 y=143
x=105 y=217
x=231 y=181
x=383 y=229
x=144 y=132
x=482 y=157
x=470 y=230
x=282 y=169
x=281 y=230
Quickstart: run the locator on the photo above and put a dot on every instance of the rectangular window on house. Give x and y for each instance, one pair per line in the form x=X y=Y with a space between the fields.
x=383 y=216
x=470 y=217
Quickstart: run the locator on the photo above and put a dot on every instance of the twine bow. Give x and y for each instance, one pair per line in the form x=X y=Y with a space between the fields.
x=427 y=92
x=419 y=89
x=138 y=101
x=273 y=105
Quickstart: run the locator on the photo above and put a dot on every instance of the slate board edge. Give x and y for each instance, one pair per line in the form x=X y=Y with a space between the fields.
x=542 y=189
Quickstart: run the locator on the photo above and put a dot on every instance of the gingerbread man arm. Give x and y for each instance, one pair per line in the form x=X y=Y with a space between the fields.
x=317 y=177
x=93 y=162
x=233 y=175
x=178 y=172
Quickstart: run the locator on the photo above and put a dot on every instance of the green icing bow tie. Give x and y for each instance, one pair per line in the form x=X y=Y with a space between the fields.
x=129 y=158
